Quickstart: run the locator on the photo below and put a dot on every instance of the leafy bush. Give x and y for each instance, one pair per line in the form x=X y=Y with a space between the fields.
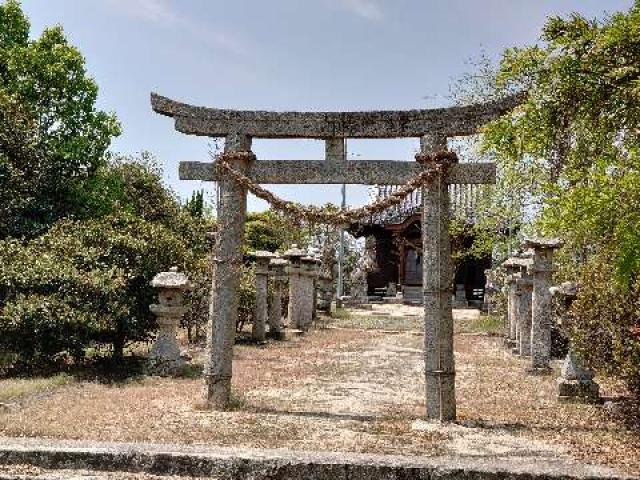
x=197 y=299
x=43 y=330
x=605 y=323
x=83 y=282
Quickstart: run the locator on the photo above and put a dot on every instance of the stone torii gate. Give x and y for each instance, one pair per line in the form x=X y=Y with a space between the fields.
x=433 y=127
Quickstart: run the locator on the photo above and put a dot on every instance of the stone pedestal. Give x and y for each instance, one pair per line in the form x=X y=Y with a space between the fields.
x=308 y=274
x=278 y=277
x=516 y=311
x=297 y=287
x=437 y=274
x=541 y=270
x=259 y=328
x=576 y=382
x=164 y=357
x=524 y=286
x=511 y=308
x=489 y=290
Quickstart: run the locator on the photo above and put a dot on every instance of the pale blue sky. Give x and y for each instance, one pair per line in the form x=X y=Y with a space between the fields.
x=287 y=55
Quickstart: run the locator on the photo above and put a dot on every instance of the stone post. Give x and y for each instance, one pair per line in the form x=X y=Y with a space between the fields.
x=314 y=307
x=296 y=287
x=576 y=382
x=525 y=288
x=276 y=271
x=488 y=290
x=541 y=270
x=258 y=331
x=516 y=311
x=164 y=357
x=511 y=270
x=437 y=281
x=308 y=276
x=223 y=308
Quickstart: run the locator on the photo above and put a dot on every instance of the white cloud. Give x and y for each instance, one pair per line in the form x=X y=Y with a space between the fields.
x=164 y=14
x=367 y=9
x=153 y=11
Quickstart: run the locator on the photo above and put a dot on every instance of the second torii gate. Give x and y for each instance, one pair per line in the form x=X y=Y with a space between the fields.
x=433 y=127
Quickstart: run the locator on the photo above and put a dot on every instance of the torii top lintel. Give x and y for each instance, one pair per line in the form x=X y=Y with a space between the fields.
x=447 y=122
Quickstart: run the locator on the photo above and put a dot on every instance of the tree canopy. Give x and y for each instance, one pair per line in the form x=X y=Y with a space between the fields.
x=52 y=137
x=576 y=135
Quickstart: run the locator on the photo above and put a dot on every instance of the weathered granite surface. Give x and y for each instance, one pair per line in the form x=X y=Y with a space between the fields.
x=164 y=357
x=223 y=309
x=432 y=126
x=325 y=293
x=541 y=270
x=297 y=288
x=437 y=274
x=307 y=288
x=447 y=122
x=511 y=305
x=365 y=172
x=278 y=277
x=576 y=382
x=259 y=327
x=524 y=285
x=244 y=463
x=335 y=150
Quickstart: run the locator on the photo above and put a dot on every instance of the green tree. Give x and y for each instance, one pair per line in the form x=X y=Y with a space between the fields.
x=272 y=231
x=85 y=282
x=44 y=87
x=575 y=138
x=576 y=132
x=195 y=205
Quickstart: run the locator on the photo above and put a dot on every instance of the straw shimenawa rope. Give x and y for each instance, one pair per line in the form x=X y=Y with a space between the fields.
x=435 y=165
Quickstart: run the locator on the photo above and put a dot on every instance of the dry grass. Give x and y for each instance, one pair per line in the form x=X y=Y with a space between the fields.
x=339 y=390
x=526 y=405
x=13 y=389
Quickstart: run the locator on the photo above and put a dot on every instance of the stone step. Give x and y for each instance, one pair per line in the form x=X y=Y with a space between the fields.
x=257 y=464
x=412 y=295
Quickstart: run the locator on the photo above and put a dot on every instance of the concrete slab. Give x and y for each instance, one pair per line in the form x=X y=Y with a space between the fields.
x=244 y=463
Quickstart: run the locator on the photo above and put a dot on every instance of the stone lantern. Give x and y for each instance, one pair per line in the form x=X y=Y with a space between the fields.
x=512 y=269
x=576 y=382
x=258 y=331
x=296 y=287
x=278 y=277
x=310 y=279
x=164 y=358
x=541 y=270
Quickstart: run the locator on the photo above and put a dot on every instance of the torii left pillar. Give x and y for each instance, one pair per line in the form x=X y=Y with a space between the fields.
x=437 y=279
x=223 y=311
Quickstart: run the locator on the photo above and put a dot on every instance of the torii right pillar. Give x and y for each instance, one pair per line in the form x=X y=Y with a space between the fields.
x=542 y=270
x=437 y=280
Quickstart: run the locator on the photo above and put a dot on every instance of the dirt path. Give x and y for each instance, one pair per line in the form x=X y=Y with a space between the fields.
x=344 y=390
